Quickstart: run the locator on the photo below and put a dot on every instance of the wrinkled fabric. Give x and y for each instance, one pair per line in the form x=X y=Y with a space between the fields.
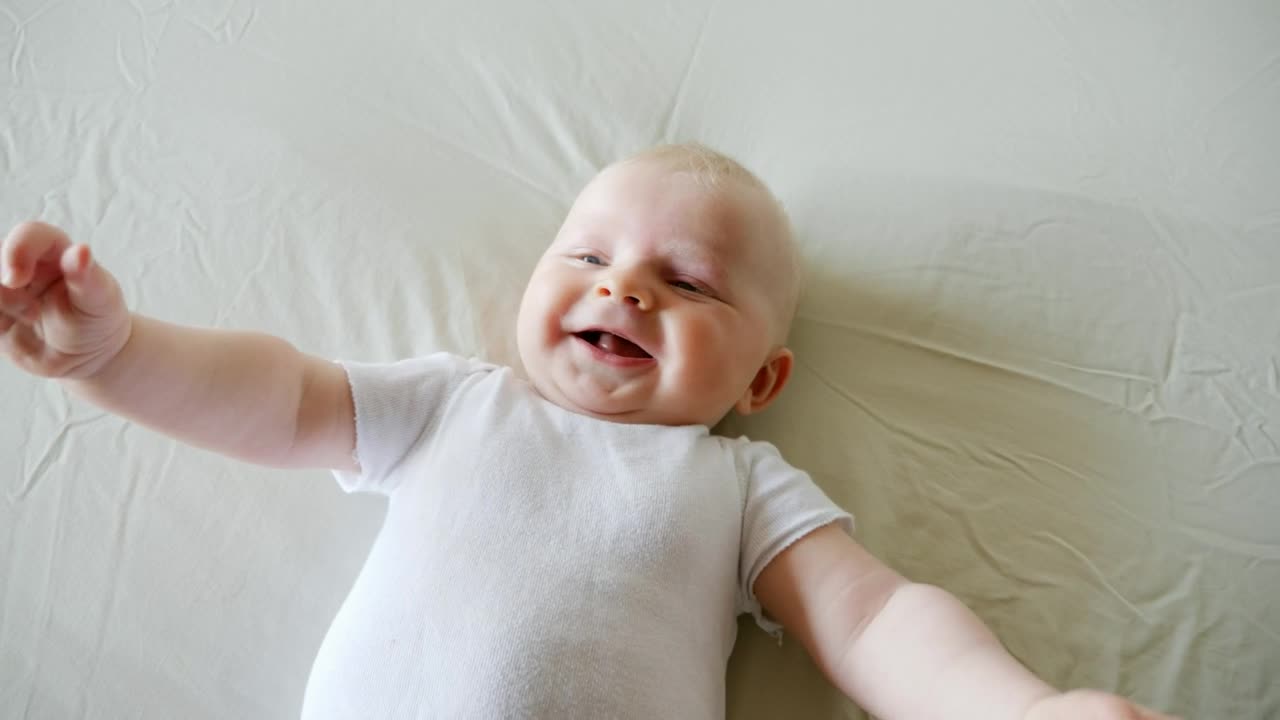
x=1038 y=351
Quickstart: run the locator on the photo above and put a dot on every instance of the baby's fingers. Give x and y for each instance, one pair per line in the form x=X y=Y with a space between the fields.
x=16 y=306
x=25 y=348
x=25 y=246
x=89 y=287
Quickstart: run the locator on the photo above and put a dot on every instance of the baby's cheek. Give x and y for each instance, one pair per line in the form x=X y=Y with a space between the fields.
x=709 y=357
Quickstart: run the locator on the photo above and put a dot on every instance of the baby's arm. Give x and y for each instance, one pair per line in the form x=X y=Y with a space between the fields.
x=248 y=395
x=251 y=396
x=906 y=650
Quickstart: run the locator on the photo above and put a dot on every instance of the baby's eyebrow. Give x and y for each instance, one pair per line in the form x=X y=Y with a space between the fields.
x=707 y=265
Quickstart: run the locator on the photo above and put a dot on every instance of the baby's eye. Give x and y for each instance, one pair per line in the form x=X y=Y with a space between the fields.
x=591 y=259
x=685 y=285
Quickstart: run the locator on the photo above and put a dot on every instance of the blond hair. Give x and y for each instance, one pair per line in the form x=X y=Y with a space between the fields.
x=715 y=171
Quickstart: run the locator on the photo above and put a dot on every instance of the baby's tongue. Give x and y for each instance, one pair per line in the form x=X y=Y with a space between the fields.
x=620 y=346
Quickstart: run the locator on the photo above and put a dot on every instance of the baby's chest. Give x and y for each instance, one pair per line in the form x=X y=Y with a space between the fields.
x=674 y=510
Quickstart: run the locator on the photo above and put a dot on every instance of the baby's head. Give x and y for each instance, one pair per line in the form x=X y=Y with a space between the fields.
x=667 y=295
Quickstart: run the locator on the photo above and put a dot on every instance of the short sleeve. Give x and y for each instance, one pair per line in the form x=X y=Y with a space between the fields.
x=782 y=505
x=398 y=405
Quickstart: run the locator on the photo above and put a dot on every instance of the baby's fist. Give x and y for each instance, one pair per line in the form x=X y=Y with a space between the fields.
x=61 y=314
x=1090 y=705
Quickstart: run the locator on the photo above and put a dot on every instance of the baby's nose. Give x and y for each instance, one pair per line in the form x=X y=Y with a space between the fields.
x=625 y=291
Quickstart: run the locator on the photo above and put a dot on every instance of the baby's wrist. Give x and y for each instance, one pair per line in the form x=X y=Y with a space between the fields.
x=110 y=357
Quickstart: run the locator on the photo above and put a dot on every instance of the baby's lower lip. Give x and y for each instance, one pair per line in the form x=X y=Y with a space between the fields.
x=611 y=359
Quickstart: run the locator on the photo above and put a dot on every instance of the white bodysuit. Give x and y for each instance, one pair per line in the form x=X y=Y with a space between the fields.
x=537 y=563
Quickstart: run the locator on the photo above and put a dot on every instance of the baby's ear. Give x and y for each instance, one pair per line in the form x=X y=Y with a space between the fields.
x=767 y=383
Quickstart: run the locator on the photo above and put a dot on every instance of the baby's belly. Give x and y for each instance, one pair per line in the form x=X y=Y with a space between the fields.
x=471 y=617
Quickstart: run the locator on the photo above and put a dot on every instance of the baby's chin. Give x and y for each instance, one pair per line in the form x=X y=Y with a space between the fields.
x=581 y=396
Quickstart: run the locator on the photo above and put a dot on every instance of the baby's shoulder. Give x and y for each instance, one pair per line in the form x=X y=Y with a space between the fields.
x=753 y=456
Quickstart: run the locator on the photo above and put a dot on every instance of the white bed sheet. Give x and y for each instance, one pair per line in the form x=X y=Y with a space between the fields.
x=1039 y=353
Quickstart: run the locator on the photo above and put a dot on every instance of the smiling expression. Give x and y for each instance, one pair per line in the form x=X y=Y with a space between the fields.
x=658 y=300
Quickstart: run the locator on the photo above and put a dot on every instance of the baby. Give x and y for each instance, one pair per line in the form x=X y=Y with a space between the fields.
x=577 y=544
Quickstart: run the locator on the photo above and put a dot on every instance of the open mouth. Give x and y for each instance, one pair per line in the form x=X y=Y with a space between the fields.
x=612 y=344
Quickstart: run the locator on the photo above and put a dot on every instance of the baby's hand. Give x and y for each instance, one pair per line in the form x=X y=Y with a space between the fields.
x=1090 y=705
x=61 y=314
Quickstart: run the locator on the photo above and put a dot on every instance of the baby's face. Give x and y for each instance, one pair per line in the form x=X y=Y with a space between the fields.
x=657 y=302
